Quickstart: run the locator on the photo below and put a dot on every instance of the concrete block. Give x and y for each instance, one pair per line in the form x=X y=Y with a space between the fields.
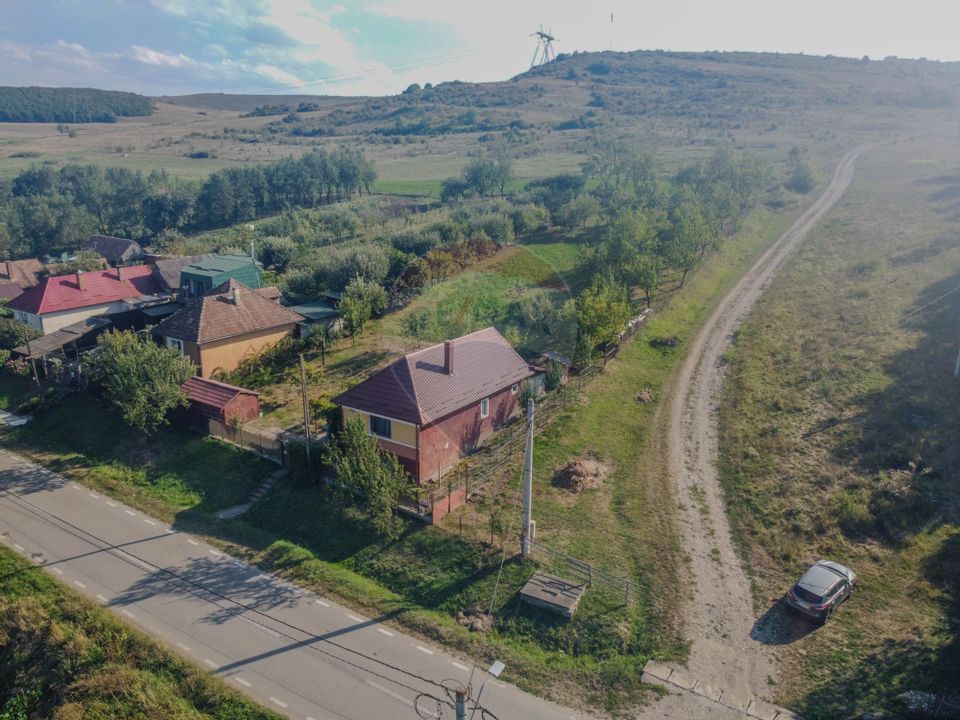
x=762 y=710
x=661 y=671
x=736 y=699
x=708 y=691
x=788 y=715
x=682 y=680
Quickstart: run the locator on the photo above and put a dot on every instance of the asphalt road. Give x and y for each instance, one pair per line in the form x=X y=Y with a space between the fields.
x=295 y=652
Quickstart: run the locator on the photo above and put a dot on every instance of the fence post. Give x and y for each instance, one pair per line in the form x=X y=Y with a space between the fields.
x=590 y=568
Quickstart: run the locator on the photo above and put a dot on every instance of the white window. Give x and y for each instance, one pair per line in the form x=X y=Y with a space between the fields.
x=514 y=389
x=484 y=408
x=380 y=426
x=175 y=344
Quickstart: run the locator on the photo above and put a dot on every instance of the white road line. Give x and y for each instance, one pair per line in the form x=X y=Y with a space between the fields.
x=241 y=681
x=94 y=496
x=424 y=650
x=215 y=553
x=192 y=542
x=149 y=522
x=387 y=691
x=355 y=618
x=385 y=632
x=111 y=504
x=101 y=598
x=183 y=647
x=321 y=602
x=58 y=571
x=79 y=584
x=127 y=613
x=129 y=512
x=18 y=547
x=458 y=665
x=278 y=703
x=209 y=662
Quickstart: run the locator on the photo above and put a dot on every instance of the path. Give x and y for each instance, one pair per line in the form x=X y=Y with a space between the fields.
x=720 y=612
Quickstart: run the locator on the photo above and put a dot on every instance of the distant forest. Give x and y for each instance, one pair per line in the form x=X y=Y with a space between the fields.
x=70 y=105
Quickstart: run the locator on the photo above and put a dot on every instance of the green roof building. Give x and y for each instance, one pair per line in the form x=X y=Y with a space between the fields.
x=204 y=275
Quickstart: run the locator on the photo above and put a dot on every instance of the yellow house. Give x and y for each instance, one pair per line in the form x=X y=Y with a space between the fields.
x=228 y=325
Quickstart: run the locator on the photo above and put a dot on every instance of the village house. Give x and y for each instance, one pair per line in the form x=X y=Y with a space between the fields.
x=226 y=326
x=433 y=406
x=202 y=276
x=116 y=251
x=167 y=269
x=16 y=276
x=67 y=299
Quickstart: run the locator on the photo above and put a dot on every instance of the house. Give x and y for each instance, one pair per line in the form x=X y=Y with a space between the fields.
x=116 y=251
x=167 y=269
x=435 y=405
x=67 y=299
x=226 y=326
x=23 y=273
x=202 y=276
x=227 y=404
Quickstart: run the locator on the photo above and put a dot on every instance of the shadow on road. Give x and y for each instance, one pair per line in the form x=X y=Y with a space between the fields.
x=780 y=625
x=24 y=479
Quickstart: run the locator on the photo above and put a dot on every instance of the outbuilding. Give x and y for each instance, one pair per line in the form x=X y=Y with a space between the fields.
x=227 y=404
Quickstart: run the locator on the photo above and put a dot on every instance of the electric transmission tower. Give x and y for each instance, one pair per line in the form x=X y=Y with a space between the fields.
x=544 y=51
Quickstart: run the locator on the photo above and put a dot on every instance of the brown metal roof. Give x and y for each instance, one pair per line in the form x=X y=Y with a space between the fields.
x=114 y=250
x=22 y=272
x=228 y=310
x=211 y=393
x=418 y=389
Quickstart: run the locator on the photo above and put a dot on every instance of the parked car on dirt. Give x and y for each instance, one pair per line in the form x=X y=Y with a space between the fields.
x=824 y=586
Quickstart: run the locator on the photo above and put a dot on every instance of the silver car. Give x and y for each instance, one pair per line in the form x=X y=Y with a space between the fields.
x=824 y=586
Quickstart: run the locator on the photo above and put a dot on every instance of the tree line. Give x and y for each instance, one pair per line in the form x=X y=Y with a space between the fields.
x=70 y=105
x=45 y=211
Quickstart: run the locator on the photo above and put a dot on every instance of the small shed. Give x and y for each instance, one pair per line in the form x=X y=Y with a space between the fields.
x=317 y=313
x=220 y=401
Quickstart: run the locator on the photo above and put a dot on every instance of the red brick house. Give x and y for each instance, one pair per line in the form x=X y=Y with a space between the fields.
x=433 y=406
x=221 y=402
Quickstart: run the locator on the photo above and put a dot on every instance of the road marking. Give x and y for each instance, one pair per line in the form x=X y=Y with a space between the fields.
x=387 y=691
x=18 y=547
x=424 y=650
x=94 y=496
x=209 y=662
x=215 y=553
x=111 y=504
x=127 y=613
x=184 y=647
x=321 y=602
x=192 y=542
x=458 y=665
x=242 y=681
x=385 y=632
x=355 y=618
x=75 y=487
x=149 y=522
x=79 y=584
x=101 y=598
x=129 y=512
x=58 y=571
x=278 y=703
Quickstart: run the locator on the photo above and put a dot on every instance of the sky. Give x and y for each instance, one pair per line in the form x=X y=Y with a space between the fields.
x=379 y=47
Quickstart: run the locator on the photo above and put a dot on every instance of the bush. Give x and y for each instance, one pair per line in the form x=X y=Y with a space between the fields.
x=14 y=334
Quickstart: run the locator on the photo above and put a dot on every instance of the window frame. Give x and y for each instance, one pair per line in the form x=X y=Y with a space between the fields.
x=381 y=419
x=485 y=408
x=176 y=344
x=515 y=388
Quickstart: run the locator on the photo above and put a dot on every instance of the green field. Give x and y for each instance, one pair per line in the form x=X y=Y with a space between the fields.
x=839 y=431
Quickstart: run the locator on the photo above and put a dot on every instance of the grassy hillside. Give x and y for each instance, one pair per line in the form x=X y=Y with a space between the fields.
x=62 y=656
x=839 y=431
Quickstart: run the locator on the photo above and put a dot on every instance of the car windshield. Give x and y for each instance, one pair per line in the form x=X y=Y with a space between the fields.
x=807 y=596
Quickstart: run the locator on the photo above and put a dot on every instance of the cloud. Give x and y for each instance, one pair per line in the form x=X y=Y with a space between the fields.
x=149 y=56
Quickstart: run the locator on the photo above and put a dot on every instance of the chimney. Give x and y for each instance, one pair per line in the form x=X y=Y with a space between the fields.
x=236 y=297
x=80 y=280
x=448 y=357
x=120 y=273
x=6 y=268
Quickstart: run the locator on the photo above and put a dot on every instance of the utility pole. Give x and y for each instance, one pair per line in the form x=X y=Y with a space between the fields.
x=526 y=535
x=306 y=413
x=33 y=367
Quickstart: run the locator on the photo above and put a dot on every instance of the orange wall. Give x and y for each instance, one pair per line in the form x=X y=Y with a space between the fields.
x=227 y=354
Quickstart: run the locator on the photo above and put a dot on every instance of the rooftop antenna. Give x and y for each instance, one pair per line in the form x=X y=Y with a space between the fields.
x=543 y=53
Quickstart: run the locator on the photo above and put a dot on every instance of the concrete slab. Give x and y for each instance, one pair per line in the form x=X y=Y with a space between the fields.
x=682 y=680
x=661 y=671
x=736 y=699
x=553 y=593
x=762 y=710
x=232 y=512
x=708 y=691
x=787 y=715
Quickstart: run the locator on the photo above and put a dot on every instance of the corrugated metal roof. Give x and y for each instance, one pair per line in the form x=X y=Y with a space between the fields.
x=99 y=287
x=212 y=394
x=418 y=389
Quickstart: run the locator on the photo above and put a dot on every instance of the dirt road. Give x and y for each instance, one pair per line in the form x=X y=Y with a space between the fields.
x=720 y=611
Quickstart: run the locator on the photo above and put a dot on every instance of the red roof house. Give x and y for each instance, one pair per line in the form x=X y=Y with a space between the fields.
x=221 y=402
x=433 y=406
x=21 y=272
x=66 y=299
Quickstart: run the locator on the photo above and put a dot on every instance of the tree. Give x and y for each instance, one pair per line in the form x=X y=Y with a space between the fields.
x=140 y=378
x=361 y=301
x=414 y=325
x=277 y=253
x=602 y=312
x=646 y=275
x=364 y=470
x=322 y=338
x=14 y=334
x=803 y=178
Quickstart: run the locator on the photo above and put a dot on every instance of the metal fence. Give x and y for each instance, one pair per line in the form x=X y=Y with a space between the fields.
x=263 y=443
x=567 y=566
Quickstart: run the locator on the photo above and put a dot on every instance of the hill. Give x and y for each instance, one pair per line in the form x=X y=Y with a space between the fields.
x=69 y=105
x=249 y=103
